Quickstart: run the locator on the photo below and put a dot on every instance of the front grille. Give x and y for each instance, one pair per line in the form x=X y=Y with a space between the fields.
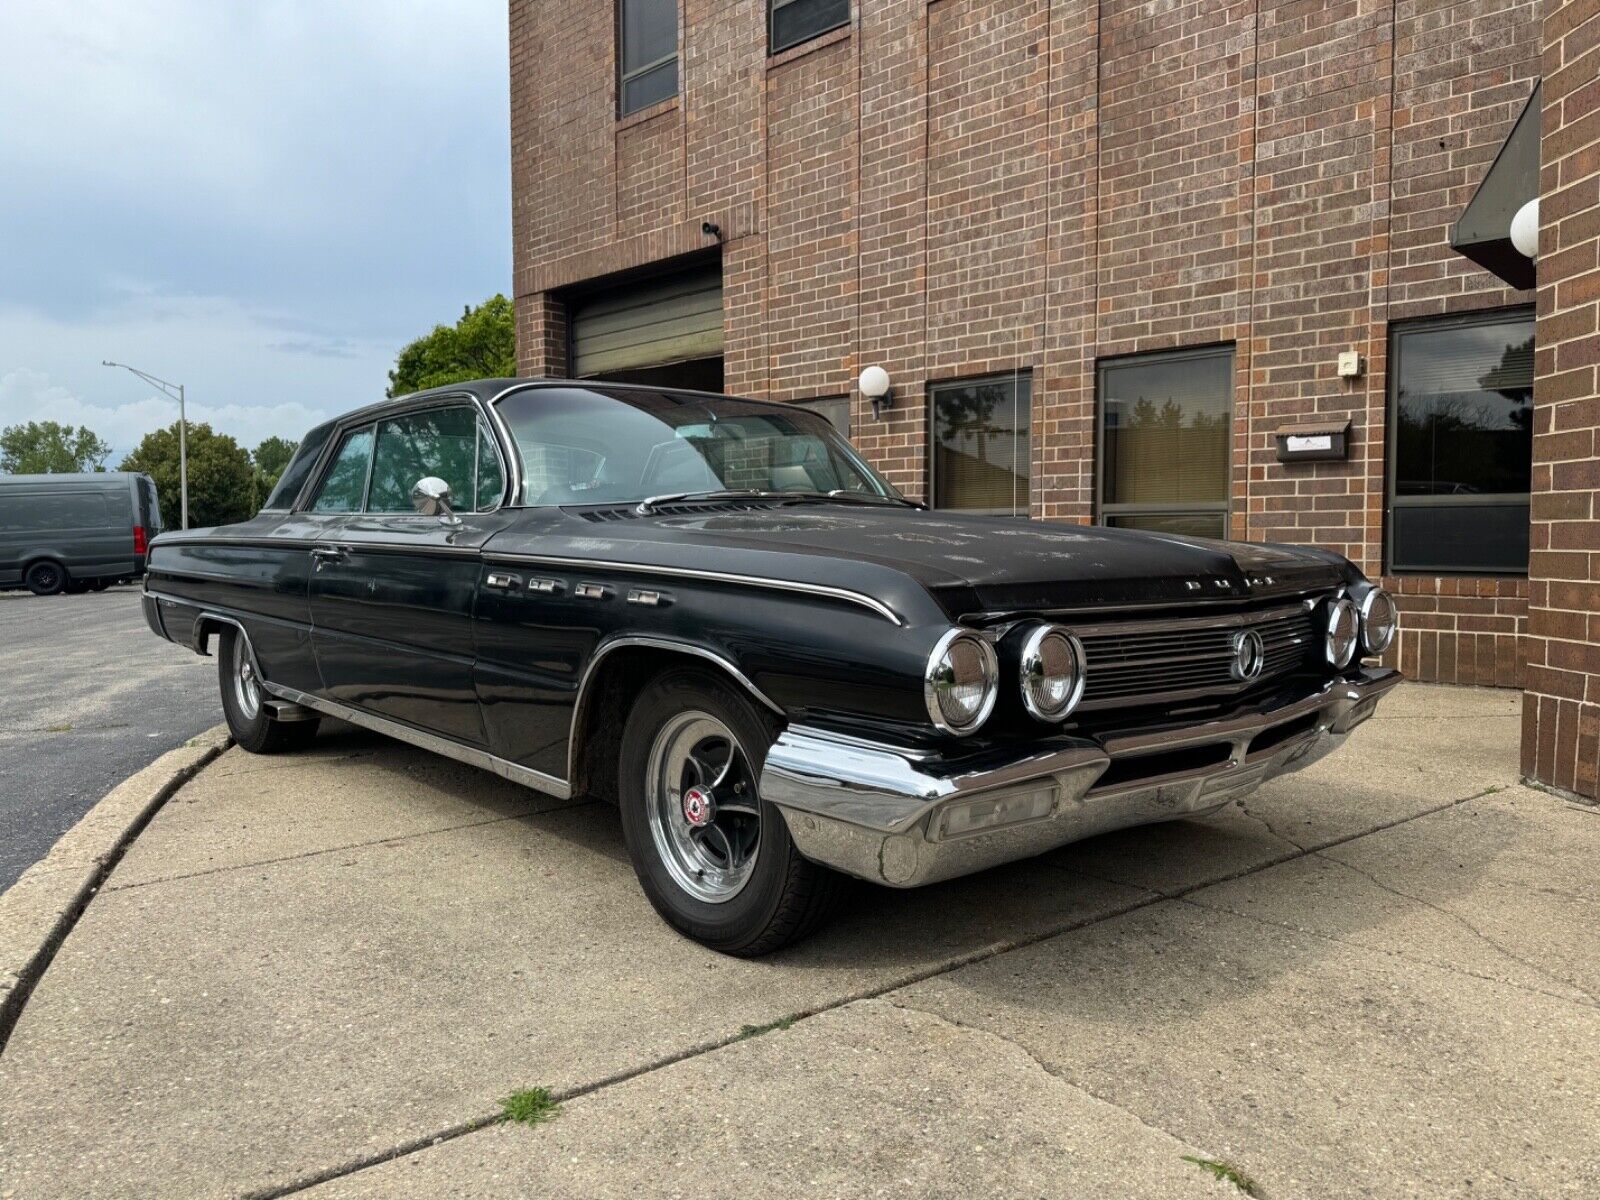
x=1149 y=662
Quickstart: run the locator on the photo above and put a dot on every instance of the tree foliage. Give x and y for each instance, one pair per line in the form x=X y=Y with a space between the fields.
x=269 y=459
x=50 y=448
x=222 y=481
x=481 y=345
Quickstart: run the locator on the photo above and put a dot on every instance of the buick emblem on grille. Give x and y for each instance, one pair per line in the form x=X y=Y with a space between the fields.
x=1249 y=654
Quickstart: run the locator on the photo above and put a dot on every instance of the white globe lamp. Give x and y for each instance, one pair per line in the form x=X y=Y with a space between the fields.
x=1525 y=230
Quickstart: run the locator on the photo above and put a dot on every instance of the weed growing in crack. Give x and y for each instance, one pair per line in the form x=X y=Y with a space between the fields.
x=750 y=1031
x=529 y=1106
x=1226 y=1172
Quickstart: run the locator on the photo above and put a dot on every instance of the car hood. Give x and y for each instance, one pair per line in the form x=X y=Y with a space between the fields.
x=970 y=563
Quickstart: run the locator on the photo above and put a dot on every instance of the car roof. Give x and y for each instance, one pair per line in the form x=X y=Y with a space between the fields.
x=488 y=389
x=78 y=477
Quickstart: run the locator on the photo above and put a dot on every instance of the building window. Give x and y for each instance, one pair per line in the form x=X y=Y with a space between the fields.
x=1164 y=441
x=1461 y=443
x=835 y=408
x=647 y=53
x=790 y=22
x=981 y=445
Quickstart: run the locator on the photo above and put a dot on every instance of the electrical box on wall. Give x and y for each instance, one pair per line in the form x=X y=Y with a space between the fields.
x=1313 y=441
x=1351 y=364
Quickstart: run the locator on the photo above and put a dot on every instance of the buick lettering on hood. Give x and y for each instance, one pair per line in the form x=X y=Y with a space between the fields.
x=714 y=614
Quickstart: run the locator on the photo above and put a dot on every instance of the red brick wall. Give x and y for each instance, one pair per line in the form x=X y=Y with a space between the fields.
x=954 y=187
x=1561 y=707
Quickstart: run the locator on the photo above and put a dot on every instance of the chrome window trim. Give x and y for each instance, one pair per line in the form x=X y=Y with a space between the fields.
x=1029 y=658
x=991 y=670
x=758 y=581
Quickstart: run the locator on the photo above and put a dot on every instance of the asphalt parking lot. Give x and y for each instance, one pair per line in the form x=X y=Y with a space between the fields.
x=318 y=974
x=88 y=695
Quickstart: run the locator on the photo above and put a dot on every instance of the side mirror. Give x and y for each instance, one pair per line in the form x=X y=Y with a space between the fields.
x=431 y=497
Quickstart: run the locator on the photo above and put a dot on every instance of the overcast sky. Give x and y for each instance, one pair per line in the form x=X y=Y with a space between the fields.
x=262 y=200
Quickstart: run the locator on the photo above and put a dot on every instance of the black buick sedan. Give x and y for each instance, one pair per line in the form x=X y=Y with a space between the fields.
x=714 y=614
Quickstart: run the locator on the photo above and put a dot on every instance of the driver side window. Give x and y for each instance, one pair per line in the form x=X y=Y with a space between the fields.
x=448 y=443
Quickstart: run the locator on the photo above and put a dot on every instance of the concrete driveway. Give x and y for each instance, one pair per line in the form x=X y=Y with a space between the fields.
x=321 y=973
x=88 y=695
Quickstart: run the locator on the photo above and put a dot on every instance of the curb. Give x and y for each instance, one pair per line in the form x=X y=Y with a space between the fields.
x=40 y=909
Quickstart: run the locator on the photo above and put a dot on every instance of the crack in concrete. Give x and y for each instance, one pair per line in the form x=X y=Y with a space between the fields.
x=1457 y=918
x=1582 y=1000
x=398 y=837
x=1267 y=825
x=880 y=992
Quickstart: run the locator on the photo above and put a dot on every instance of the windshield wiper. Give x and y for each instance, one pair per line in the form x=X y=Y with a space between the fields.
x=840 y=496
x=650 y=503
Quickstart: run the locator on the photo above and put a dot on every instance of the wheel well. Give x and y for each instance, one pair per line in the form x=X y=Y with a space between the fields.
x=618 y=680
x=39 y=558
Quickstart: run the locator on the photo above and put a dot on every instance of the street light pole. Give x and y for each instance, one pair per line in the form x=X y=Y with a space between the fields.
x=172 y=391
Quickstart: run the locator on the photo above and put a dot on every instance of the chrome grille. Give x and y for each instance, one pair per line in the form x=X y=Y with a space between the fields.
x=1147 y=662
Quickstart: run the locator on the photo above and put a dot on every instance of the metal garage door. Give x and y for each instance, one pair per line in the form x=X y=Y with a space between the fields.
x=667 y=320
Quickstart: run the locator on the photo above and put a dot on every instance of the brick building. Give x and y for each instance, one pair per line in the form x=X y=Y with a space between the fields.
x=1110 y=255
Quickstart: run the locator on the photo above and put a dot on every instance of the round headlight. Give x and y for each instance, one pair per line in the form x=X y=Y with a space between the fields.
x=1344 y=628
x=961 y=682
x=1379 y=620
x=1052 y=673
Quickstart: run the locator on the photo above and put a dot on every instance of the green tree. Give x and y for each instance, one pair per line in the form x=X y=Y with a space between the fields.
x=49 y=448
x=269 y=459
x=222 y=484
x=481 y=345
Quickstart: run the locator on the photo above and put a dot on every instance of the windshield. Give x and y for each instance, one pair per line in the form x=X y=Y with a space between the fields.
x=580 y=446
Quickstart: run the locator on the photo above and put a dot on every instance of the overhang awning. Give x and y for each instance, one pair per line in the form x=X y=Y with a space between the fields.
x=1483 y=233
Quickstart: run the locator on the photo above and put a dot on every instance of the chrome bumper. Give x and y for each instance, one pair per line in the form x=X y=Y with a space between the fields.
x=881 y=812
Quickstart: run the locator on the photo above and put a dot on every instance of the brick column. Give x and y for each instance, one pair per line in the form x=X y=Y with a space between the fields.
x=1561 y=704
x=541 y=335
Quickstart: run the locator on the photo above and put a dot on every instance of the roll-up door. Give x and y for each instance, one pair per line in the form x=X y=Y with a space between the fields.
x=671 y=319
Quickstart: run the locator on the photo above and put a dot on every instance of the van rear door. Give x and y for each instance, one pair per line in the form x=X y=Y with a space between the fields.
x=147 y=519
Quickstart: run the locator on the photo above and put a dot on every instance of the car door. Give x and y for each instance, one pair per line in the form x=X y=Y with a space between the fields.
x=392 y=589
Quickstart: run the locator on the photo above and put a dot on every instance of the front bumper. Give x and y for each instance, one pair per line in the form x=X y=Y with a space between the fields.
x=884 y=813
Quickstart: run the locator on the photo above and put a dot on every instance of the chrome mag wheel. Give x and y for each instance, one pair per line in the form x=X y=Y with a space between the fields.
x=246 y=687
x=704 y=814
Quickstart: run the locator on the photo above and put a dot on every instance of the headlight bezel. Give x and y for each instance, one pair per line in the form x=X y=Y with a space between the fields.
x=1374 y=596
x=1341 y=606
x=1030 y=664
x=932 y=679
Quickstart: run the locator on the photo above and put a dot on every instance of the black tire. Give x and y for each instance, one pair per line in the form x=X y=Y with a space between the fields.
x=76 y=587
x=100 y=585
x=784 y=897
x=46 y=577
x=255 y=731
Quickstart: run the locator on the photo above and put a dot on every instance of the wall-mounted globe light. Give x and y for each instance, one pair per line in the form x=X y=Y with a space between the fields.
x=1525 y=230
x=874 y=385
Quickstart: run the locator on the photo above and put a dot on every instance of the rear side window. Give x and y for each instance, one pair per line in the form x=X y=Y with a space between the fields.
x=149 y=506
x=345 y=484
x=298 y=471
x=53 y=509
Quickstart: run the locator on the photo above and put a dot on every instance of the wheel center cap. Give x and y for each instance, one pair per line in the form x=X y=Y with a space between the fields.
x=698 y=807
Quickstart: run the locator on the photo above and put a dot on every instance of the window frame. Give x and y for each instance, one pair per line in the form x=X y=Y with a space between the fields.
x=1103 y=510
x=932 y=388
x=1391 y=437
x=772 y=21
x=344 y=434
x=624 y=76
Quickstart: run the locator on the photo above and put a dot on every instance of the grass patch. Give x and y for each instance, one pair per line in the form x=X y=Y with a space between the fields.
x=58 y=728
x=1226 y=1172
x=750 y=1031
x=529 y=1106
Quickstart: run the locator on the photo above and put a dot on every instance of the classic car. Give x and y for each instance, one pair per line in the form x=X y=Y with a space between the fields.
x=715 y=614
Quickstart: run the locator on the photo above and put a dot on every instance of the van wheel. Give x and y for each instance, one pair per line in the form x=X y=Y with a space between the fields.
x=244 y=702
x=714 y=859
x=45 y=578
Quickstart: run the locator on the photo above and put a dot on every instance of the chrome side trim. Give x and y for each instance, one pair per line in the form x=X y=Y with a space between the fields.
x=344 y=543
x=471 y=755
x=657 y=643
x=757 y=581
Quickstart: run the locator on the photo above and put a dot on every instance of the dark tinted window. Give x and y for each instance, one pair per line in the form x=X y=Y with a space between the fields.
x=981 y=445
x=150 y=506
x=299 y=469
x=796 y=21
x=1165 y=442
x=647 y=58
x=345 y=483
x=1461 y=443
x=53 y=508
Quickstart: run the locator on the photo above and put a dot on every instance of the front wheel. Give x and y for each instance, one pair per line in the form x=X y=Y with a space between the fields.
x=244 y=701
x=714 y=859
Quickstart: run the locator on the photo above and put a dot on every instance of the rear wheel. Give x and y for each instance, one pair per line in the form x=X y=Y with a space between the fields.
x=714 y=859
x=45 y=577
x=245 y=704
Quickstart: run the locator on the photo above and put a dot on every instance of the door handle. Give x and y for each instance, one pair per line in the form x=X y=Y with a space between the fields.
x=328 y=554
x=502 y=579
